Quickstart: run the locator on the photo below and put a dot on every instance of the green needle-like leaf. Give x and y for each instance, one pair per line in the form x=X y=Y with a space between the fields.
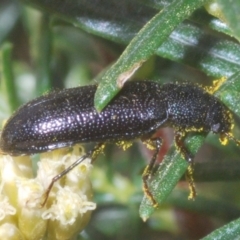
x=173 y=165
x=230 y=13
x=7 y=84
x=167 y=176
x=228 y=232
x=143 y=46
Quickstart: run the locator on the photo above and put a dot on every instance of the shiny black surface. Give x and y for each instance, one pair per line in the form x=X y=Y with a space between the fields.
x=63 y=118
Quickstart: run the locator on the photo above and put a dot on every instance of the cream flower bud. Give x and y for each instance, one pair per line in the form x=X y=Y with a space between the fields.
x=69 y=215
x=9 y=231
x=68 y=206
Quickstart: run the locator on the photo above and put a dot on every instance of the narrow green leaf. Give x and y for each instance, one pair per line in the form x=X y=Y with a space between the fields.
x=193 y=46
x=173 y=166
x=229 y=93
x=7 y=80
x=200 y=17
x=114 y=20
x=151 y=36
x=229 y=231
x=44 y=56
x=167 y=176
x=192 y=42
x=230 y=14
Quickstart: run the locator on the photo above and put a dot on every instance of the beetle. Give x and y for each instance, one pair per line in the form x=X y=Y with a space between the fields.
x=64 y=118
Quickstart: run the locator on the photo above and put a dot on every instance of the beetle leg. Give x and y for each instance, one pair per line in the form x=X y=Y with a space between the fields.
x=228 y=136
x=91 y=154
x=96 y=151
x=191 y=185
x=148 y=171
x=179 y=141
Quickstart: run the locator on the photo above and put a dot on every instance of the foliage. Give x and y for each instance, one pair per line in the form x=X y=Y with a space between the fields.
x=70 y=42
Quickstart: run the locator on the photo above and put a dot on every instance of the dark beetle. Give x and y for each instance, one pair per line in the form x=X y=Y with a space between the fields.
x=64 y=118
x=67 y=117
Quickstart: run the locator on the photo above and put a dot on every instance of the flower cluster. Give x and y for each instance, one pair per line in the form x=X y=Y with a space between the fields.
x=68 y=207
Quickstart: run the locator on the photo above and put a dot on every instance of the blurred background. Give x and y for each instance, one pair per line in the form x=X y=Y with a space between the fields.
x=49 y=45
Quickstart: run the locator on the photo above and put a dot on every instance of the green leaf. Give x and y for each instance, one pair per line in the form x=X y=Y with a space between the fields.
x=99 y=17
x=228 y=11
x=173 y=165
x=142 y=47
x=227 y=232
x=167 y=176
x=229 y=93
x=193 y=46
x=192 y=42
x=7 y=80
x=44 y=55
